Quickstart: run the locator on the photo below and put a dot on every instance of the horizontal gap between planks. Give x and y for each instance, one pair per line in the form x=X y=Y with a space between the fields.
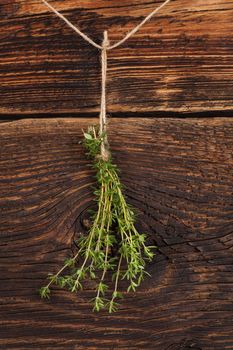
x=155 y=114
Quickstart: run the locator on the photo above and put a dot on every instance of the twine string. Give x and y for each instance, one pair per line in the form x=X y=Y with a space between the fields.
x=103 y=104
x=136 y=29
x=118 y=43
x=104 y=48
x=104 y=60
x=76 y=29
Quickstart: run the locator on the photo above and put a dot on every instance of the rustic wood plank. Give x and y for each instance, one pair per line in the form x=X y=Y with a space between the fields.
x=179 y=175
x=180 y=61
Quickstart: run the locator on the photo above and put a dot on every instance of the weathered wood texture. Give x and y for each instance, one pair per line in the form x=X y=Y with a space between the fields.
x=179 y=176
x=180 y=61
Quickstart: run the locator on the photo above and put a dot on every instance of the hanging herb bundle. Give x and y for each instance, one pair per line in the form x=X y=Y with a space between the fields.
x=112 y=244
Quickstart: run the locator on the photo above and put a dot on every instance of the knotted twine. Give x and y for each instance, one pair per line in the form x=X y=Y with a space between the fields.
x=104 y=59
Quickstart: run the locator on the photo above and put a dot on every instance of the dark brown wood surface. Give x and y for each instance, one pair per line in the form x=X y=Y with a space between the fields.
x=181 y=61
x=179 y=176
x=178 y=171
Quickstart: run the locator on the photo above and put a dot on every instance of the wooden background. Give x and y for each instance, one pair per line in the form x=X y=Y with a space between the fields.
x=170 y=97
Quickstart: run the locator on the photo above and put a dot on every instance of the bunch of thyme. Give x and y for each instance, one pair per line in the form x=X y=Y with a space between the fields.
x=112 y=244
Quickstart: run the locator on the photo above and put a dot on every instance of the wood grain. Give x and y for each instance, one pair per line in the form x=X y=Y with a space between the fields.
x=181 y=61
x=179 y=175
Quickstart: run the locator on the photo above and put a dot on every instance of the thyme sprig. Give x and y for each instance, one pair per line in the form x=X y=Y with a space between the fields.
x=113 y=242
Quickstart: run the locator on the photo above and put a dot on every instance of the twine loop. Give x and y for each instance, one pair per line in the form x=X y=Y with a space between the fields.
x=104 y=48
